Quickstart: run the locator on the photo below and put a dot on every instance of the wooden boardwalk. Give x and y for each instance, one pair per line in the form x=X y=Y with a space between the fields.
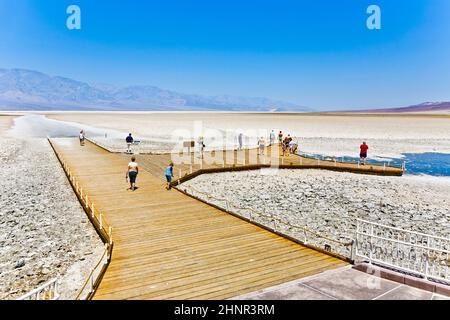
x=170 y=246
x=189 y=166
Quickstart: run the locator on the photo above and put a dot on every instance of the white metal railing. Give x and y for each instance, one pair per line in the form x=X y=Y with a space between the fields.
x=280 y=226
x=47 y=291
x=138 y=146
x=409 y=251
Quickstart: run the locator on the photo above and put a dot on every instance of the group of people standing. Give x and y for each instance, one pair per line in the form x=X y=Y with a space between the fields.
x=288 y=146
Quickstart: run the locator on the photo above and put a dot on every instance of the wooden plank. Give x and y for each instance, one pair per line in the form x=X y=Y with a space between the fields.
x=168 y=245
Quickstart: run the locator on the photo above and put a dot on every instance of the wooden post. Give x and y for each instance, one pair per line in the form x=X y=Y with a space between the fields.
x=101 y=221
x=91 y=284
x=93 y=210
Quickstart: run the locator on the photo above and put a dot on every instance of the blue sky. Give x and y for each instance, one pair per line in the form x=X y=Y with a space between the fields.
x=314 y=53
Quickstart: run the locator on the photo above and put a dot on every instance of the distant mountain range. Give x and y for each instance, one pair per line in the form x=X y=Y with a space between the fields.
x=423 y=107
x=31 y=90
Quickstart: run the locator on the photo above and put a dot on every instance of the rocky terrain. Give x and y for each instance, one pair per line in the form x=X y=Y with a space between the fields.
x=330 y=202
x=44 y=231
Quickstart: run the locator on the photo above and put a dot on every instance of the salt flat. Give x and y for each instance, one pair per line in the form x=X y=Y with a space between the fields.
x=44 y=232
x=6 y=122
x=327 y=202
x=332 y=134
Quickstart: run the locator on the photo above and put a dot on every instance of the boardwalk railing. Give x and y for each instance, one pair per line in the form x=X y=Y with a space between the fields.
x=101 y=225
x=47 y=291
x=413 y=252
x=337 y=160
x=301 y=234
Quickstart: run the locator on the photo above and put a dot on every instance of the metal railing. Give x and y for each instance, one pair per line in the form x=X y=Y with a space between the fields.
x=336 y=160
x=138 y=147
x=142 y=147
x=300 y=233
x=413 y=252
x=47 y=291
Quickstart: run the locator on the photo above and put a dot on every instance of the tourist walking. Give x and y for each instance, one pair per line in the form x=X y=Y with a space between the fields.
x=286 y=145
x=292 y=148
x=272 y=137
x=280 y=137
x=129 y=141
x=201 y=146
x=262 y=145
x=363 y=153
x=132 y=172
x=82 y=138
x=240 y=140
x=169 y=176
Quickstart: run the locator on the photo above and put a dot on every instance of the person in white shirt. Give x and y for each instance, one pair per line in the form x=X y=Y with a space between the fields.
x=291 y=146
x=201 y=146
x=262 y=145
x=272 y=137
x=241 y=140
x=82 y=137
x=132 y=172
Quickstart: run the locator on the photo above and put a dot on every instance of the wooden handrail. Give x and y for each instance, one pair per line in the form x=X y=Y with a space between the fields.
x=100 y=224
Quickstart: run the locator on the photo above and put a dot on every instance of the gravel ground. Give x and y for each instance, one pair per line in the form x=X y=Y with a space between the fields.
x=330 y=202
x=44 y=231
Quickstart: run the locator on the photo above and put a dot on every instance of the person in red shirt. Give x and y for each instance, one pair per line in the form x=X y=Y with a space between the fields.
x=363 y=153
